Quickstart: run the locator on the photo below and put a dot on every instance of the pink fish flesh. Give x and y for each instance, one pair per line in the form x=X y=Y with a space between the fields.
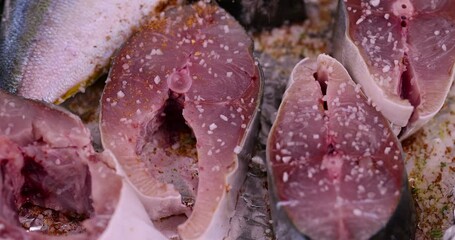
x=335 y=167
x=402 y=52
x=53 y=184
x=179 y=111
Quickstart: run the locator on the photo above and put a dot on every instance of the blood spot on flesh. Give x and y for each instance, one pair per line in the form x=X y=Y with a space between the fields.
x=403 y=23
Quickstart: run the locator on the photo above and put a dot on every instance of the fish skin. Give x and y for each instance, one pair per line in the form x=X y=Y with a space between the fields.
x=400 y=221
x=11 y=38
x=427 y=93
x=49 y=50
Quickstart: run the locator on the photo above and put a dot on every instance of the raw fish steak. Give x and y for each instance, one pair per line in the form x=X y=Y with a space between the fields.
x=53 y=184
x=402 y=52
x=49 y=50
x=335 y=167
x=179 y=111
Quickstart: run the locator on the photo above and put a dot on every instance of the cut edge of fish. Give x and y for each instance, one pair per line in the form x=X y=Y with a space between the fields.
x=129 y=205
x=247 y=144
x=283 y=227
x=234 y=181
x=150 y=202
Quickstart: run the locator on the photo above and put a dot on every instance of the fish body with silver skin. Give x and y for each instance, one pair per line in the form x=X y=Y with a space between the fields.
x=402 y=52
x=49 y=50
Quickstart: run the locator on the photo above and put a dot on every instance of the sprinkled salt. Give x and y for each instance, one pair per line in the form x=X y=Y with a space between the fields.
x=375 y=3
x=212 y=126
x=357 y=212
x=359 y=21
x=156 y=52
x=237 y=149
x=120 y=94
x=285 y=177
x=386 y=68
x=226 y=28
x=389 y=37
x=223 y=117
x=157 y=79
x=286 y=159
